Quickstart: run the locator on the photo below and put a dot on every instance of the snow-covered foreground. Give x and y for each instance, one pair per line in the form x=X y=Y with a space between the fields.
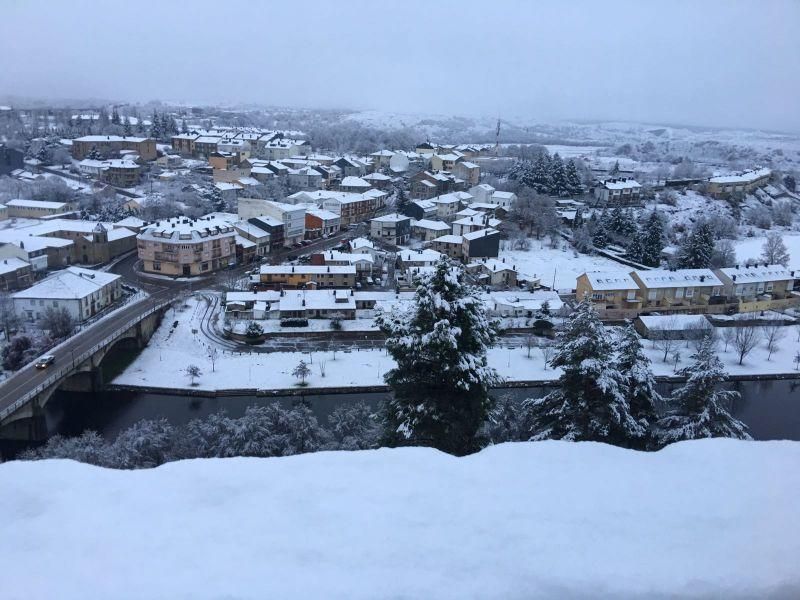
x=170 y=351
x=711 y=519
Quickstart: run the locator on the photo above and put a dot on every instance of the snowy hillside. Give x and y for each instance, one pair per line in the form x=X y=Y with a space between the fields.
x=715 y=518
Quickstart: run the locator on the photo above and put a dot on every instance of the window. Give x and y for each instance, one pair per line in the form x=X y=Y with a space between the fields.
x=204 y=266
x=679 y=293
x=597 y=296
x=156 y=266
x=631 y=294
x=689 y=292
x=652 y=295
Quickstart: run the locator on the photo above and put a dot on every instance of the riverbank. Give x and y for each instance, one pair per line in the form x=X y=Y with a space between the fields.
x=180 y=342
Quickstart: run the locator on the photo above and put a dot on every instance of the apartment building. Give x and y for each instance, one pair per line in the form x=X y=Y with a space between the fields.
x=759 y=287
x=15 y=274
x=483 y=243
x=315 y=276
x=83 y=292
x=392 y=228
x=449 y=245
x=681 y=290
x=36 y=209
x=621 y=191
x=321 y=223
x=427 y=230
x=110 y=146
x=609 y=290
x=743 y=182
x=186 y=247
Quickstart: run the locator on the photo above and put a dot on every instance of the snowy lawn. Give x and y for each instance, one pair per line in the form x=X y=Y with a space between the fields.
x=170 y=351
x=711 y=519
x=563 y=263
x=753 y=247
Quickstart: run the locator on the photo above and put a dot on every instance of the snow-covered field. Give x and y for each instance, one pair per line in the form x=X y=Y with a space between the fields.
x=562 y=263
x=171 y=350
x=705 y=519
x=752 y=248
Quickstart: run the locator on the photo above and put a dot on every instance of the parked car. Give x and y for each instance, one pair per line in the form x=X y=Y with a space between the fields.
x=45 y=361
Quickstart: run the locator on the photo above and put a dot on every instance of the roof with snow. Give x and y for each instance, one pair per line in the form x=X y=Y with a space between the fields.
x=391 y=218
x=307 y=269
x=450 y=239
x=69 y=284
x=742 y=176
x=9 y=265
x=620 y=184
x=352 y=181
x=611 y=280
x=426 y=256
x=474 y=235
x=757 y=274
x=431 y=225
x=186 y=229
x=37 y=204
x=664 y=278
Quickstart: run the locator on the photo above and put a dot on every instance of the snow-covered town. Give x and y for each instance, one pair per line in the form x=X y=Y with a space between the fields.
x=254 y=343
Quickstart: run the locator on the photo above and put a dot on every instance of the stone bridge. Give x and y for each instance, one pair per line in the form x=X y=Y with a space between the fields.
x=78 y=367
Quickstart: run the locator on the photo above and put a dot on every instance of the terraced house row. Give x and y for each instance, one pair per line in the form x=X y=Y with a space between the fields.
x=620 y=294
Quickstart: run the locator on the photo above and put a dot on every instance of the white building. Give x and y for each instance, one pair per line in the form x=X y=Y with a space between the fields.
x=293 y=216
x=83 y=292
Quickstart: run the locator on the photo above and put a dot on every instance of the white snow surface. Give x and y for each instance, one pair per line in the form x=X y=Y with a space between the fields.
x=703 y=519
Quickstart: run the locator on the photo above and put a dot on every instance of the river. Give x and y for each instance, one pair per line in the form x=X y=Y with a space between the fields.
x=770 y=408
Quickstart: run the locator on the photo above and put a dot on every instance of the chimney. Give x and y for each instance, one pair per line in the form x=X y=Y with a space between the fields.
x=733 y=277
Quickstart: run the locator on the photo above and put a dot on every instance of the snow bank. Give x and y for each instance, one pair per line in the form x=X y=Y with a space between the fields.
x=714 y=518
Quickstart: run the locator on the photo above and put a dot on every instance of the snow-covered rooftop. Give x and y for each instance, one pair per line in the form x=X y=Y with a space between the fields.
x=186 y=229
x=474 y=235
x=432 y=225
x=611 y=280
x=758 y=274
x=37 y=204
x=664 y=278
x=69 y=284
x=391 y=218
x=742 y=177
x=307 y=269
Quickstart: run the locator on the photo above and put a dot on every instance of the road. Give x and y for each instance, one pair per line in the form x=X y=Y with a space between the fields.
x=28 y=378
x=159 y=290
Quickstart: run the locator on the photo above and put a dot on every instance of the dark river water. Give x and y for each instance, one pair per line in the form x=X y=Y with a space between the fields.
x=770 y=408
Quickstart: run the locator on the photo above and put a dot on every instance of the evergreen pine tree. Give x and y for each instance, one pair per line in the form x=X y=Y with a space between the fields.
x=590 y=403
x=573 y=179
x=402 y=202
x=697 y=248
x=639 y=385
x=126 y=126
x=635 y=248
x=698 y=408
x=155 y=126
x=440 y=386
x=540 y=173
x=115 y=116
x=600 y=236
x=652 y=241
x=184 y=128
x=615 y=169
x=139 y=124
x=558 y=176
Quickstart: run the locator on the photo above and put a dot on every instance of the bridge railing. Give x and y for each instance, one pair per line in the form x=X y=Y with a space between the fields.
x=27 y=397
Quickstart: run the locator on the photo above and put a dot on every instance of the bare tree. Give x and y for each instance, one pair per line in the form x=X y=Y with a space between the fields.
x=9 y=318
x=797 y=361
x=773 y=333
x=530 y=343
x=547 y=353
x=676 y=358
x=774 y=251
x=728 y=336
x=745 y=340
x=213 y=354
x=663 y=336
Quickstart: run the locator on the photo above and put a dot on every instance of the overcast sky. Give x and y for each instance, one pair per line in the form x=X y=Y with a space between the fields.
x=728 y=63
